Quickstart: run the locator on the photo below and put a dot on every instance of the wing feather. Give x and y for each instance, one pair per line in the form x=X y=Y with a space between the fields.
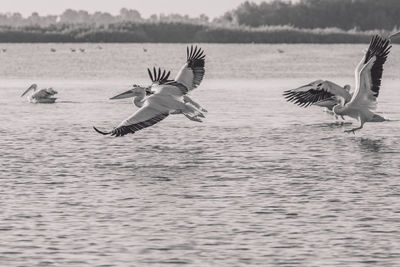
x=369 y=76
x=306 y=98
x=159 y=76
x=193 y=71
x=143 y=118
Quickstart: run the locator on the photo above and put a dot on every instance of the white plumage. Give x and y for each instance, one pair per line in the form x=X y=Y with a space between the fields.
x=40 y=96
x=164 y=97
x=363 y=101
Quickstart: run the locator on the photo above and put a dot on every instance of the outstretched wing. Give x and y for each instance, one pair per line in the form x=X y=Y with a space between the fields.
x=192 y=72
x=369 y=74
x=314 y=93
x=143 y=118
x=158 y=76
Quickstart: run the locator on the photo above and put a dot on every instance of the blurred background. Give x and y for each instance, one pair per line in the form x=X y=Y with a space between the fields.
x=278 y=21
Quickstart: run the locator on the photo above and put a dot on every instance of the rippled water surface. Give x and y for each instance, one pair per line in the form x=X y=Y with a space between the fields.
x=260 y=182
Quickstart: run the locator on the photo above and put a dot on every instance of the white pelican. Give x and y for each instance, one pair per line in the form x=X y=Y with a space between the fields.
x=41 y=96
x=167 y=96
x=361 y=103
x=307 y=95
x=157 y=77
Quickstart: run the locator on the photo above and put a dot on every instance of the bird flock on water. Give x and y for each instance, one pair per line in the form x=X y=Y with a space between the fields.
x=165 y=96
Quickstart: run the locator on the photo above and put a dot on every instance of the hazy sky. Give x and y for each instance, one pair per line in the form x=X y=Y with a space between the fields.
x=211 y=8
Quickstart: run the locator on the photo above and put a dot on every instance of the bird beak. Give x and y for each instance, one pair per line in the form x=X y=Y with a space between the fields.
x=127 y=94
x=27 y=90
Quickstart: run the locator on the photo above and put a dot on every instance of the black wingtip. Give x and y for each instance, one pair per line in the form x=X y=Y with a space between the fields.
x=158 y=75
x=100 y=132
x=195 y=53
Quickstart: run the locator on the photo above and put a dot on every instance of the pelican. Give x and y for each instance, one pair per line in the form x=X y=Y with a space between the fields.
x=358 y=104
x=164 y=97
x=304 y=96
x=157 y=77
x=41 y=96
x=53 y=50
x=82 y=50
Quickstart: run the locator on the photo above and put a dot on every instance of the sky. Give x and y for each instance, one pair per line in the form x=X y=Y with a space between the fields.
x=212 y=8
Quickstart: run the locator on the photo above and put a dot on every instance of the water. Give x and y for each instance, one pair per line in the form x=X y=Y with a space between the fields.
x=261 y=182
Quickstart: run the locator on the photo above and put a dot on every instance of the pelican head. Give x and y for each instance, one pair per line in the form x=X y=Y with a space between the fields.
x=32 y=87
x=135 y=91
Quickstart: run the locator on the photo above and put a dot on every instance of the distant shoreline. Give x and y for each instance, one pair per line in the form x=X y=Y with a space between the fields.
x=179 y=33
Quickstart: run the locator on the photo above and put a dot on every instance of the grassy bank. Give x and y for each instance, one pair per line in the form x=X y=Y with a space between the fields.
x=179 y=33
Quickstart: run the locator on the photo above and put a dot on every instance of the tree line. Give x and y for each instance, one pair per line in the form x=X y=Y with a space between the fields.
x=177 y=32
x=344 y=14
x=279 y=21
x=83 y=17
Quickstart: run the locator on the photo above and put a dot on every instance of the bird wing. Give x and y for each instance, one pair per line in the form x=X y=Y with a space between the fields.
x=307 y=95
x=192 y=72
x=43 y=93
x=142 y=118
x=158 y=76
x=369 y=75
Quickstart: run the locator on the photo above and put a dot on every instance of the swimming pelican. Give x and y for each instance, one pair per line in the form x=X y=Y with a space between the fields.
x=41 y=96
x=165 y=96
x=361 y=103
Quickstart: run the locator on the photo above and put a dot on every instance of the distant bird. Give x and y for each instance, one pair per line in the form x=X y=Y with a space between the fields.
x=73 y=50
x=361 y=103
x=99 y=47
x=41 y=96
x=165 y=96
x=82 y=50
x=4 y=50
x=144 y=50
x=52 y=50
x=280 y=51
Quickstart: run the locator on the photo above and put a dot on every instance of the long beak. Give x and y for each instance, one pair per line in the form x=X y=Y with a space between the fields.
x=27 y=90
x=127 y=94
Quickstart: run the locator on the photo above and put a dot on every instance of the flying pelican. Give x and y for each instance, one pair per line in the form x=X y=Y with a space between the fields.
x=166 y=96
x=361 y=103
x=157 y=78
x=41 y=96
x=304 y=96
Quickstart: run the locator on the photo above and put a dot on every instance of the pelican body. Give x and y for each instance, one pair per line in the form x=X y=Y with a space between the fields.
x=359 y=104
x=44 y=96
x=164 y=97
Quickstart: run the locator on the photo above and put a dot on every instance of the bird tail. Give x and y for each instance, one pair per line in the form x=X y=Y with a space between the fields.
x=101 y=132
